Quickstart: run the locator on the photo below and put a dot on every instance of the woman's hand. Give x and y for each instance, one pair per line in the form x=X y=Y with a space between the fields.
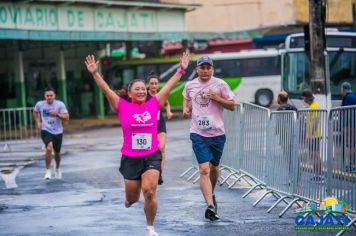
x=163 y=94
x=169 y=115
x=92 y=65
x=184 y=60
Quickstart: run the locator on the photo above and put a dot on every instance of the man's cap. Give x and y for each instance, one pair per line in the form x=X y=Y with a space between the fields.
x=346 y=86
x=308 y=94
x=204 y=59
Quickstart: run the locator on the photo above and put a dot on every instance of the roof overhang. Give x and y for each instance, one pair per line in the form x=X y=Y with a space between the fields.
x=37 y=35
x=108 y=3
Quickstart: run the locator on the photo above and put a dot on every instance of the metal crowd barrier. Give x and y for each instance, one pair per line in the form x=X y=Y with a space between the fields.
x=194 y=173
x=230 y=161
x=17 y=125
x=193 y=170
x=309 y=162
x=254 y=135
x=342 y=156
x=311 y=156
x=280 y=155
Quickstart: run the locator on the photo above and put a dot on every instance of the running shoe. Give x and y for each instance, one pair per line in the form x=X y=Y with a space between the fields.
x=211 y=214
x=150 y=231
x=48 y=174
x=215 y=203
x=160 y=180
x=58 y=174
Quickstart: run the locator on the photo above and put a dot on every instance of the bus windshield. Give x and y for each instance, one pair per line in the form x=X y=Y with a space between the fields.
x=296 y=74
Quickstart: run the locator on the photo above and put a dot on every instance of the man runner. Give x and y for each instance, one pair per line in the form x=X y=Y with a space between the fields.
x=207 y=96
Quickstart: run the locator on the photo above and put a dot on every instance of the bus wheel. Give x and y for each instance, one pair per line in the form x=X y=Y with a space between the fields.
x=264 y=98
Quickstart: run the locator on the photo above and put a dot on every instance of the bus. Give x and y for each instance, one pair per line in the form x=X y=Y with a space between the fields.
x=340 y=66
x=254 y=76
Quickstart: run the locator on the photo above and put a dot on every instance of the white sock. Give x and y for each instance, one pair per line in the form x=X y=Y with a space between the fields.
x=150 y=227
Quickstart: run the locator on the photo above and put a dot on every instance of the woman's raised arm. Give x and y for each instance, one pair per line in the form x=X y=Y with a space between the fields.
x=92 y=67
x=164 y=92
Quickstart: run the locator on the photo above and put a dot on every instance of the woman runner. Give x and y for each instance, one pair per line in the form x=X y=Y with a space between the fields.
x=141 y=158
x=152 y=89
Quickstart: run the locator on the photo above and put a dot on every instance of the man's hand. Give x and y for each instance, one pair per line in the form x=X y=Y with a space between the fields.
x=227 y=104
x=186 y=112
x=212 y=95
x=53 y=112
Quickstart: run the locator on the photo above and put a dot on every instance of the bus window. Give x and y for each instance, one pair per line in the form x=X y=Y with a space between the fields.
x=227 y=68
x=296 y=72
x=144 y=70
x=260 y=66
x=166 y=71
x=128 y=75
x=165 y=67
x=230 y=68
x=342 y=68
x=247 y=67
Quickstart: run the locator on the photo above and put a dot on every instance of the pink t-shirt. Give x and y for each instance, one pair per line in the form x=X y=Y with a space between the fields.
x=139 y=127
x=207 y=115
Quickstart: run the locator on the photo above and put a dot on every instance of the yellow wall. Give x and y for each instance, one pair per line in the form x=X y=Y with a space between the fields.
x=230 y=15
x=227 y=15
x=338 y=11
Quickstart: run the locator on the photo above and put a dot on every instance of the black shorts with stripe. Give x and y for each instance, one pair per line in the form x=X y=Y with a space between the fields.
x=56 y=140
x=132 y=168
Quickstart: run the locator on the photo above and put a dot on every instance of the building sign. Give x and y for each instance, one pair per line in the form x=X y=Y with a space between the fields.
x=65 y=18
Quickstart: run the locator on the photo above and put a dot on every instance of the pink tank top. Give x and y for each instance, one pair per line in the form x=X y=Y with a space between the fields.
x=139 y=126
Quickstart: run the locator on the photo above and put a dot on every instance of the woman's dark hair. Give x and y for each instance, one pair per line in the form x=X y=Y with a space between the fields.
x=129 y=86
x=152 y=75
x=121 y=92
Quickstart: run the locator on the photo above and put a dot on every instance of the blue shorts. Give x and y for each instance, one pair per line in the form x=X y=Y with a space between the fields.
x=208 y=149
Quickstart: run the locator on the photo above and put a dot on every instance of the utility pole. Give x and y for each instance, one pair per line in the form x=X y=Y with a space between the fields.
x=317 y=18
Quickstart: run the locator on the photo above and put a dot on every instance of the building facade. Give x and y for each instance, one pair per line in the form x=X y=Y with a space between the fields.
x=44 y=43
x=237 y=15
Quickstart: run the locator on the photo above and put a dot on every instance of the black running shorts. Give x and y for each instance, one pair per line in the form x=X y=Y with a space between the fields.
x=132 y=168
x=56 y=140
x=161 y=124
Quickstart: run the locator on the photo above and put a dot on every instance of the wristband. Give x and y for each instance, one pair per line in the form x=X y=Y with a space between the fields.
x=181 y=71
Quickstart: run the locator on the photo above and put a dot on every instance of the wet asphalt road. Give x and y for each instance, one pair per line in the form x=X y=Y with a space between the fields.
x=89 y=199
